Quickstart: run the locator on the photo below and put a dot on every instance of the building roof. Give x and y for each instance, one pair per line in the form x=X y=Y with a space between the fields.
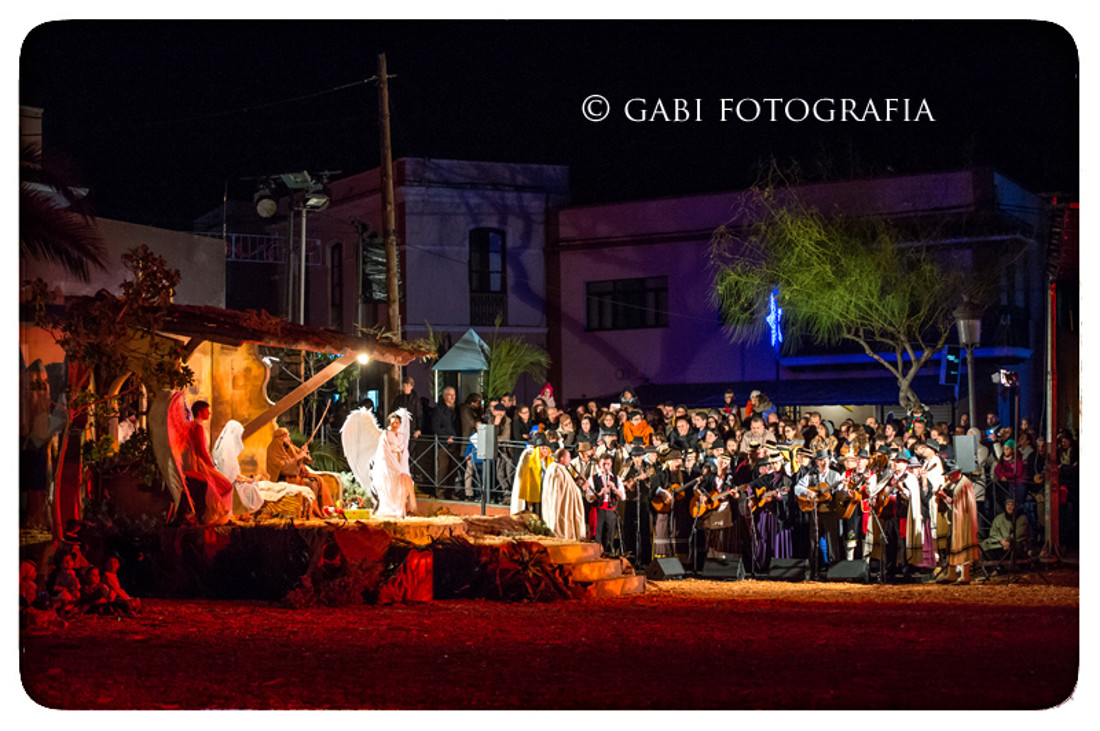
x=234 y=327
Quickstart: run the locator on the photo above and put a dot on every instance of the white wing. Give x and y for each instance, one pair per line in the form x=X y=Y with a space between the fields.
x=360 y=435
x=406 y=427
x=228 y=448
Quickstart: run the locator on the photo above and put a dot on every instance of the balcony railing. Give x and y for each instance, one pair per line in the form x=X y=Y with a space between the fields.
x=485 y=308
x=259 y=248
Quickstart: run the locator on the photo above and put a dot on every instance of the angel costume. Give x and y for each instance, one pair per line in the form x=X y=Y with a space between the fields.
x=250 y=495
x=562 y=504
x=380 y=458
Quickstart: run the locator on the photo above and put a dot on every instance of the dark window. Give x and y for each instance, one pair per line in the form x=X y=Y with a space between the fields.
x=488 y=291
x=336 y=286
x=628 y=304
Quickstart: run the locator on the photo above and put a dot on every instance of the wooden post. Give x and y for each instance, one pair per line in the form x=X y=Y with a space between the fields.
x=323 y=376
x=389 y=227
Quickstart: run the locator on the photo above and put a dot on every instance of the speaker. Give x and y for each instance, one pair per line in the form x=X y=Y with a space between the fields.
x=664 y=569
x=724 y=567
x=786 y=569
x=853 y=571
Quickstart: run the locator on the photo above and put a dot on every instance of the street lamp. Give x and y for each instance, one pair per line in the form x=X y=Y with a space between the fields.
x=968 y=321
x=315 y=198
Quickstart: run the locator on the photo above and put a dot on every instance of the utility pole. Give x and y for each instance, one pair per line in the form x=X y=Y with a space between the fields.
x=389 y=227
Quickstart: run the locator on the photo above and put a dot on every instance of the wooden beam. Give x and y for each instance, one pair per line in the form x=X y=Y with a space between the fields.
x=323 y=376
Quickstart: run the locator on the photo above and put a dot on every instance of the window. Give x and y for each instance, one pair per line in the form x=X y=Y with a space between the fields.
x=486 y=260
x=336 y=286
x=487 y=281
x=628 y=304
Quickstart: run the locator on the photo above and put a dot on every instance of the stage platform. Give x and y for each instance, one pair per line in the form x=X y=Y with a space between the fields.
x=341 y=562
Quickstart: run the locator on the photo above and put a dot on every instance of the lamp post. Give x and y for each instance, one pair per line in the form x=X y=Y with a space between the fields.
x=315 y=198
x=968 y=321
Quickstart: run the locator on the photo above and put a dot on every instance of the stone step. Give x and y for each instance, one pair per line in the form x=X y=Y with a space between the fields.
x=563 y=553
x=594 y=570
x=618 y=586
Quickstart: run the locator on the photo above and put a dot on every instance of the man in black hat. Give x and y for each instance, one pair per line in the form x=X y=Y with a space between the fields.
x=769 y=495
x=636 y=476
x=889 y=502
x=673 y=524
x=818 y=485
x=609 y=444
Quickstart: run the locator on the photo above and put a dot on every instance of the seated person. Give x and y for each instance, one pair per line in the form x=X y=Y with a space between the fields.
x=121 y=602
x=94 y=594
x=250 y=494
x=63 y=584
x=287 y=463
x=996 y=545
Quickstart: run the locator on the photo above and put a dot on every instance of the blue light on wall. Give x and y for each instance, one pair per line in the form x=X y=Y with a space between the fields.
x=775 y=318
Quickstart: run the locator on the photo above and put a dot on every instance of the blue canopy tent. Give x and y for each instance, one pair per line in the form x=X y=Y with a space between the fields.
x=469 y=358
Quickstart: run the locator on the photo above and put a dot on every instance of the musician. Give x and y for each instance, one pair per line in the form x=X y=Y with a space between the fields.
x=726 y=526
x=634 y=472
x=605 y=490
x=562 y=501
x=858 y=482
x=920 y=541
x=932 y=482
x=958 y=494
x=817 y=483
x=609 y=445
x=745 y=468
x=889 y=504
x=771 y=513
x=671 y=529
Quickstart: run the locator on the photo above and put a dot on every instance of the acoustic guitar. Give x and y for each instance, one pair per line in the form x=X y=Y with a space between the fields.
x=701 y=504
x=663 y=504
x=820 y=495
x=764 y=496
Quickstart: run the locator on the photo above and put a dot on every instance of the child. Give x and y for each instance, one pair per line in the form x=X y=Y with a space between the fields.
x=64 y=586
x=121 y=601
x=94 y=594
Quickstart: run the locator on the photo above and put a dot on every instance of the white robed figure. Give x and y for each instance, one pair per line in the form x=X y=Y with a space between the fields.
x=250 y=495
x=562 y=503
x=380 y=458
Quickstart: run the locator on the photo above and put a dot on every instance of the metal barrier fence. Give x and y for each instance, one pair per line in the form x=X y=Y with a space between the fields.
x=450 y=470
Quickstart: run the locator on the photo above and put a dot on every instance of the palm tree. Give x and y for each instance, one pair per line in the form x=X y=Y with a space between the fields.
x=55 y=224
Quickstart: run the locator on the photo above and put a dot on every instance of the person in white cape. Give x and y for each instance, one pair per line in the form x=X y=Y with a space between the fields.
x=380 y=458
x=249 y=495
x=562 y=503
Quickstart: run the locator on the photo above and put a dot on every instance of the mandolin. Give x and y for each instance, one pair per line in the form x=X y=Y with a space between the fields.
x=851 y=500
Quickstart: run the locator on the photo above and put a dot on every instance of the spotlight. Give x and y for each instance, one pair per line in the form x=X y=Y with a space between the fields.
x=265 y=202
x=317 y=197
x=363 y=358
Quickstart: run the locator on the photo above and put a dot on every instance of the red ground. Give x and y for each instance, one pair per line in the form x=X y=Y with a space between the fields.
x=690 y=644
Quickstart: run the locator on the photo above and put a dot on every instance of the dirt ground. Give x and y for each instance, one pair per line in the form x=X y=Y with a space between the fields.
x=689 y=644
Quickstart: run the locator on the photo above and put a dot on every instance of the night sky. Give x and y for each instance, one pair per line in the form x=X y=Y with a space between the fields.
x=157 y=118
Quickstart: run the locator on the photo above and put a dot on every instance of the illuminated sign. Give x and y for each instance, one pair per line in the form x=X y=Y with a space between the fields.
x=775 y=318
